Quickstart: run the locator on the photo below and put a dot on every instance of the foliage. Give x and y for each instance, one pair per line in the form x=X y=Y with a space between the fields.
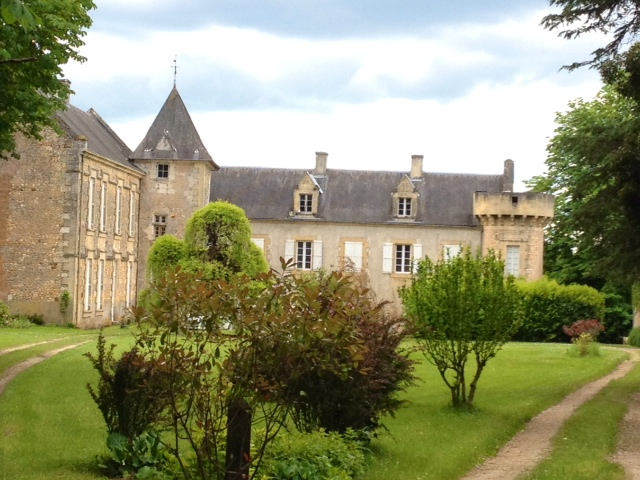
x=220 y=234
x=165 y=253
x=38 y=38
x=548 y=306
x=15 y=321
x=592 y=164
x=36 y=319
x=129 y=394
x=143 y=456
x=352 y=398
x=591 y=327
x=314 y=455
x=4 y=312
x=460 y=308
x=283 y=333
x=65 y=301
x=584 y=345
x=622 y=17
x=634 y=337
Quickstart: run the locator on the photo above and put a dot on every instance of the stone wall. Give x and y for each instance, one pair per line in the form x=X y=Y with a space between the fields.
x=274 y=236
x=176 y=197
x=32 y=198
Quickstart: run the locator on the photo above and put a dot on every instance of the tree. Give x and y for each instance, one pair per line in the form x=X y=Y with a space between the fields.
x=622 y=17
x=218 y=238
x=460 y=308
x=36 y=39
x=594 y=172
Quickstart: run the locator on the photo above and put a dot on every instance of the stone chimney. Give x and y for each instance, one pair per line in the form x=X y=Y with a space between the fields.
x=416 y=166
x=321 y=163
x=507 y=176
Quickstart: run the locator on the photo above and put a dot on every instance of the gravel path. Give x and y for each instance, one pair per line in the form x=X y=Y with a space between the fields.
x=533 y=444
x=15 y=370
x=29 y=345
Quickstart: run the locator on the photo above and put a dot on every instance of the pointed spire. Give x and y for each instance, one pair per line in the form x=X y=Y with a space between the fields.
x=172 y=135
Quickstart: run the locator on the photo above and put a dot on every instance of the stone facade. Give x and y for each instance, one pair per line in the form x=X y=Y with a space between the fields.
x=382 y=223
x=77 y=213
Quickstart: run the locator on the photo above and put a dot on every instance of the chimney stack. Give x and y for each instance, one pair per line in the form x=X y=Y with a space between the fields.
x=507 y=176
x=321 y=163
x=416 y=166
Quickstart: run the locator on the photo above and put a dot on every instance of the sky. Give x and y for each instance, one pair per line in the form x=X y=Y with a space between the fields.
x=466 y=83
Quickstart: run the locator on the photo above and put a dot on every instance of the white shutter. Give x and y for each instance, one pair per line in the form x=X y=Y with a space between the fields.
x=289 y=248
x=417 y=256
x=353 y=251
x=387 y=258
x=317 y=255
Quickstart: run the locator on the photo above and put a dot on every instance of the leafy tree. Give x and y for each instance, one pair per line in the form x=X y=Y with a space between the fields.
x=594 y=172
x=164 y=255
x=462 y=308
x=36 y=38
x=219 y=235
x=577 y=17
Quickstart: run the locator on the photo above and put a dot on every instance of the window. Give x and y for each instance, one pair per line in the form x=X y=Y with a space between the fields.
x=512 y=265
x=88 y=278
x=103 y=207
x=118 y=209
x=129 y=282
x=353 y=255
x=303 y=255
x=100 y=285
x=132 y=212
x=401 y=257
x=159 y=225
x=306 y=203
x=404 y=207
x=307 y=254
x=451 y=251
x=92 y=187
x=163 y=170
x=259 y=242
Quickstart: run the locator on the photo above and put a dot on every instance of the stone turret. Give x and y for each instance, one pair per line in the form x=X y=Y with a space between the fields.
x=178 y=176
x=513 y=225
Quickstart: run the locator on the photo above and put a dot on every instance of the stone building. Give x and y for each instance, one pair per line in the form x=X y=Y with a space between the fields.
x=382 y=222
x=79 y=211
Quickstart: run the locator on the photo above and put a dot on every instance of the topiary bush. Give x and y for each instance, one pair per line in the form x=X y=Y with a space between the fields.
x=165 y=253
x=315 y=455
x=634 y=337
x=548 y=306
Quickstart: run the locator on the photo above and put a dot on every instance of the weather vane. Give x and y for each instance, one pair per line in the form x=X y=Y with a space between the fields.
x=175 y=69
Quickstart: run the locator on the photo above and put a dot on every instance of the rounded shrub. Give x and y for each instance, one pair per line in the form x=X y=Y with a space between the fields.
x=634 y=337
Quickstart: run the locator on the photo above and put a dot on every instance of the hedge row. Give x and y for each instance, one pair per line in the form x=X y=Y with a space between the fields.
x=548 y=306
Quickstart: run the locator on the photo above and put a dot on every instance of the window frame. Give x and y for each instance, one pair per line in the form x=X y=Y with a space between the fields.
x=118 y=219
x=88 y=284
x=159 y=225
x=305 y=203
x=512 y=260
x=405 y=207
x=162 y=171
x=91 y=203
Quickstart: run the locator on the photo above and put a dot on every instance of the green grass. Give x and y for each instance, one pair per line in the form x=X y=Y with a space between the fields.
x=583 y=446
x=431 y=441
x=11 y=337
x=50 y=427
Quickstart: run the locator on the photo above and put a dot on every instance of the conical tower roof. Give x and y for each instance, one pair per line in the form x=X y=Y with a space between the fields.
x=172 y=135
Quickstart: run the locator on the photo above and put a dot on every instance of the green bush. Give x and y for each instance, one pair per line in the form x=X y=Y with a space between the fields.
x=634 y=337
x=548 y=306
x=312 y=456
x=36 y=319
x=165 y=253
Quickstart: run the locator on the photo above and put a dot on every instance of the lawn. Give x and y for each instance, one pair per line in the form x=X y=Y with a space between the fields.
x=50 y=428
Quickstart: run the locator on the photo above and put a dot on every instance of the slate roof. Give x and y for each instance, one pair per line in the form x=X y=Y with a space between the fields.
x=172 y=135
x=101 y=140
x=352 y=196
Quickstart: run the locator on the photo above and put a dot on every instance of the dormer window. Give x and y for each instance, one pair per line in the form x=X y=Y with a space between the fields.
x=163 y=170
x=404 y=207
x=306 y=197
x=306 y=203
x=405 y=201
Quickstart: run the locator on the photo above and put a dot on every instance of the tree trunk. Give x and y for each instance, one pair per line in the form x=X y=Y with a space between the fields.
x=238 y=440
